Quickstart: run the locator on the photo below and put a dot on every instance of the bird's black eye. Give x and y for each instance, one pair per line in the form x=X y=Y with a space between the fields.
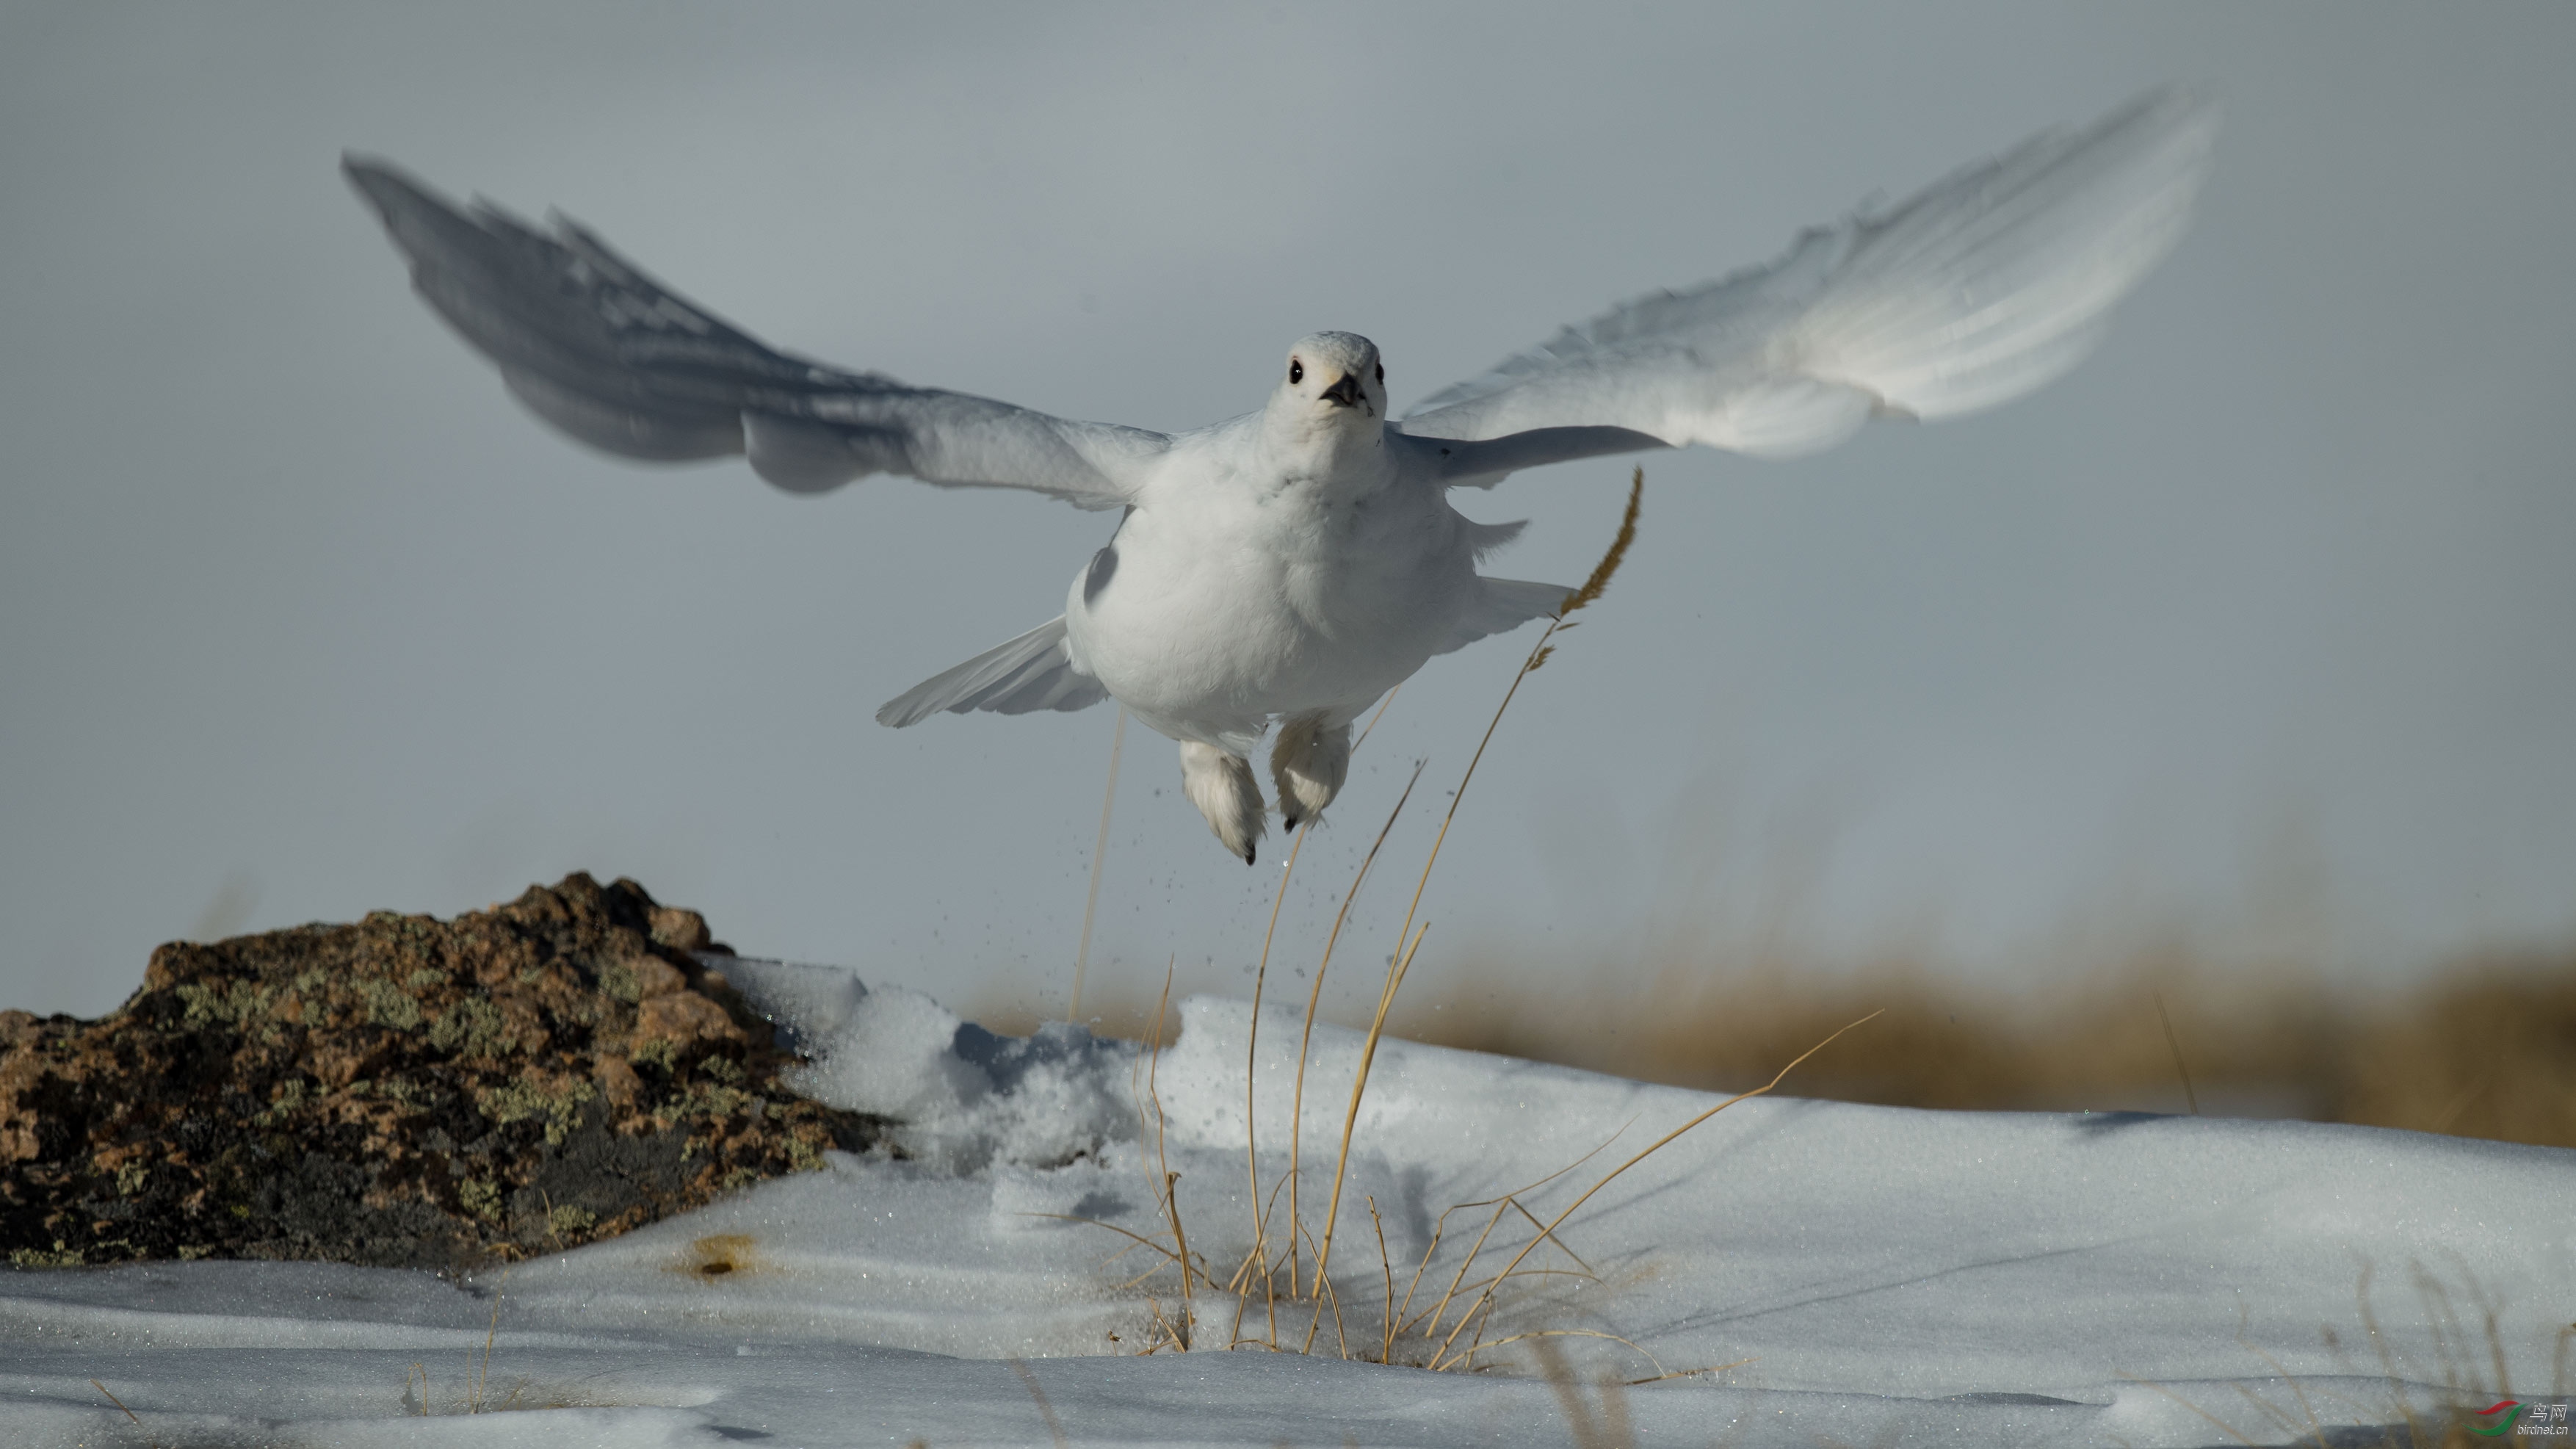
x=1381 y=372
x=1296 y=370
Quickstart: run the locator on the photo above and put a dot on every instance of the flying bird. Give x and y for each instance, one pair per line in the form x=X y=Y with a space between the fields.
x=1284 y=569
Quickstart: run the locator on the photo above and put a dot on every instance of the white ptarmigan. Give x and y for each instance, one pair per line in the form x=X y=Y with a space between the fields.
x=1289 y=566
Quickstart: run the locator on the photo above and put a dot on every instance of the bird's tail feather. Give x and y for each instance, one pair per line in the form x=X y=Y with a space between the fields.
x=1030 y=673
x=1503 y=605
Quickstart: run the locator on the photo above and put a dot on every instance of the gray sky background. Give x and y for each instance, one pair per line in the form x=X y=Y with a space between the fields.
x=2256 y=629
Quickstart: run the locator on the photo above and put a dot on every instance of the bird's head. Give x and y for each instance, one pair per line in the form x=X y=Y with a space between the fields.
x=1331 y=385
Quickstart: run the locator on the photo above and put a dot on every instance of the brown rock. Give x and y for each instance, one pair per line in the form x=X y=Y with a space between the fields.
x=684 y=1019
x=403 y=1091
x=655 y=977
x=619 y=1083
x=680 y=930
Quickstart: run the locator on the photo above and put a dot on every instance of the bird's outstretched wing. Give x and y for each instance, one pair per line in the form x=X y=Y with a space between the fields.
x=609 y=355
x=1973 y=292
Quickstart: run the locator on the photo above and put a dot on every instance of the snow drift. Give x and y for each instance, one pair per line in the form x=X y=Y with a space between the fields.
x=1869 y=1274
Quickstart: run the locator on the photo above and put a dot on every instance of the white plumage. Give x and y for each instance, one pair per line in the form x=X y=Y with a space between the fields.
x=1287 y=567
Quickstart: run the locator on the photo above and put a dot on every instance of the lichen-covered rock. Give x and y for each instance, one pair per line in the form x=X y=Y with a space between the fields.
x=401 y=1092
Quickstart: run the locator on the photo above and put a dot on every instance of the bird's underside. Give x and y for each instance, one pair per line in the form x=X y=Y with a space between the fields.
x=1288 y=567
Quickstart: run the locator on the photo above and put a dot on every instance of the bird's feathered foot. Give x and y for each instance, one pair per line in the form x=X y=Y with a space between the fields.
x=1308 y=764
x=1221 y=785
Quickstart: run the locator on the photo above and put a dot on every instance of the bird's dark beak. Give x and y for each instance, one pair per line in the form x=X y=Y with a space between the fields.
x=1346 y=391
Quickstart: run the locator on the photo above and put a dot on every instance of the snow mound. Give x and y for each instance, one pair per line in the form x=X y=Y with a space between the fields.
x=967 y=1099
x=1864 y=1274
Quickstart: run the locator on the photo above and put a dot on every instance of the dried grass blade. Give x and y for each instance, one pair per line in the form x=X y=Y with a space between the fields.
x=1162 y=1162
x=1251 y=1064
x=1540 y=1334
x=1715 y=1368
x=1660 y=1142
x=1602 y=572
x=1386 y=1265
x=1440 y=1310
x=1397 y=966
x=1314 y=998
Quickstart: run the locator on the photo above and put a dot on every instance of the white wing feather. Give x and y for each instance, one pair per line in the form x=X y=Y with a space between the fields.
x=1981 y=288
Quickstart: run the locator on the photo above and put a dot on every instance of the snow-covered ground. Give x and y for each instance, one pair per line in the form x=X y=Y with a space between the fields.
x=1867 y=1275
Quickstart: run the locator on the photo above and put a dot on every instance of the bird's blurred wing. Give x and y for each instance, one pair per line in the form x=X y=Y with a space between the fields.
x=604 y=352
x=1977 y=290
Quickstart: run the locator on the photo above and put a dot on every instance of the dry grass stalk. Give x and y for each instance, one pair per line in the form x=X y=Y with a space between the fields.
x=1259 y=1254
x=2402 y=1424
x=1690 y=1373
x=1314 y=998
x=1397 y=965
x=1487 y=1296
x=1162 y=1164
x=129 y=1413
x=1267 y=1268
x=1251 y=1062
x=1410 y=941
x=1594 y=586
x=1331 y=1295
x=1386 y=1267
x=2190 y=1097
x=1149 y=1102
x=1135 y=1240
x=1405 y=953
x=482 y=1375
x=1440 y=1229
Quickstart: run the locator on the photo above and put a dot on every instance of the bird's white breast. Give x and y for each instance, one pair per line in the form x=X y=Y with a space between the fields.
x=1237 y=591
